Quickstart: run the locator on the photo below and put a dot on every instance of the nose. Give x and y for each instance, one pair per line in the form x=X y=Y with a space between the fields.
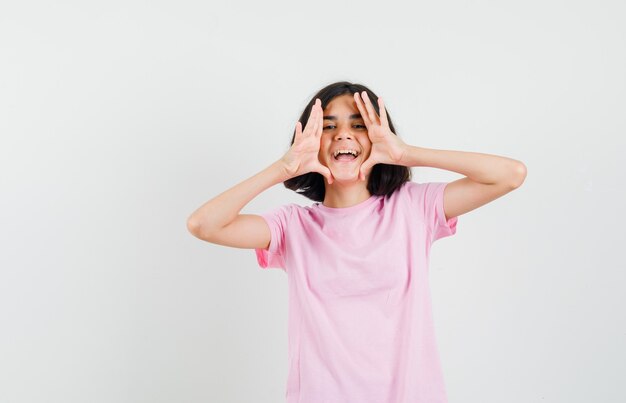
x=343 y=134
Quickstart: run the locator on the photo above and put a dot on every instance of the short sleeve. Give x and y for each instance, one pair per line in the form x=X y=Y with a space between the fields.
x=429 y=198
x=274 y=255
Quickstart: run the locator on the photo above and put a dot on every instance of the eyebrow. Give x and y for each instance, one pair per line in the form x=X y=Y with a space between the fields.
x=355 y=116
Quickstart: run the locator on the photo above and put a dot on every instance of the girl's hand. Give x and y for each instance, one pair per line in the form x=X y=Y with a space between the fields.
x=387 y=148
x=303 y=156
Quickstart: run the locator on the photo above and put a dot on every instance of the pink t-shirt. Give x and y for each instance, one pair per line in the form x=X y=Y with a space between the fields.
x=360 y=323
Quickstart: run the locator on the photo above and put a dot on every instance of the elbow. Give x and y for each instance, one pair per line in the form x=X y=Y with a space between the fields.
x=519 y=174
x=199 y=230
x=193 y=227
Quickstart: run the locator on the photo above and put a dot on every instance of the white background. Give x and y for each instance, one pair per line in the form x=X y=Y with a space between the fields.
x=119 y=119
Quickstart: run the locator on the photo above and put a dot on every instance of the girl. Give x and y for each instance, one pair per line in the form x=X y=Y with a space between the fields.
x=360 y=324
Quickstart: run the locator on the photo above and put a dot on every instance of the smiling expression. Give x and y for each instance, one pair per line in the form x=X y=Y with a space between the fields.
x=343 y=129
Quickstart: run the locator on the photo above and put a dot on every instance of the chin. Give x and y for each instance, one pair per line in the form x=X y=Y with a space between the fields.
x=341 y=174
x=345 y=177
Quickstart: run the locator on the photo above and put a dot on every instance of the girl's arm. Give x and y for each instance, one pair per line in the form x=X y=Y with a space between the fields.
x=488 y=176
x=218 y=220
x=487 y=169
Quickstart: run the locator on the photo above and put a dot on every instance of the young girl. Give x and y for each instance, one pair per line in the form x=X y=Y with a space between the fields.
x=360 y=324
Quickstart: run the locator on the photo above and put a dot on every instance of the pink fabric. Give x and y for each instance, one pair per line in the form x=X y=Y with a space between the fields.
x=360 y=322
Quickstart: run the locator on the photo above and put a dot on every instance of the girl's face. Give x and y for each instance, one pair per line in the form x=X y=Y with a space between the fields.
x=344 y=129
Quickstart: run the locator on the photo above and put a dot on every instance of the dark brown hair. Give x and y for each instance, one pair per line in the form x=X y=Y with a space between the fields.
x=384 y=179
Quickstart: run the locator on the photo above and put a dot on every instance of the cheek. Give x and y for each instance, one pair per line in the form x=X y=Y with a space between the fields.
x=366 y=144
x=323 y=152
x=324 y=145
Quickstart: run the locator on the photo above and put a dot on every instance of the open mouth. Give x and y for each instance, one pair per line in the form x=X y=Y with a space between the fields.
x=345 y=155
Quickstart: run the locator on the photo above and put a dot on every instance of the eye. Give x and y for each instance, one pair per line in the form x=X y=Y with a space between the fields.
x=332 y=127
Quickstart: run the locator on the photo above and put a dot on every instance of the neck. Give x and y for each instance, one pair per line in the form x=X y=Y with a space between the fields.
x=340 y=195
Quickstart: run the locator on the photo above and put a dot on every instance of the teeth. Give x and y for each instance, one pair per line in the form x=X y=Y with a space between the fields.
x=353 y=152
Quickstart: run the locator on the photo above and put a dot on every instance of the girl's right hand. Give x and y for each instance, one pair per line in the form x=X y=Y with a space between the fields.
x=302 y=157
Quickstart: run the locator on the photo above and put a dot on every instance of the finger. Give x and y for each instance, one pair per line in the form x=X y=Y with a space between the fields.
x=298 y=129
x=318 y=142
x=361 y=174
x=326 y=172
x=370 y=108
x=318 y=115
x=312 y=123
x=320 y=120
x=383 y=112
x=361 y=106
x=363 y=170
x=366 y=167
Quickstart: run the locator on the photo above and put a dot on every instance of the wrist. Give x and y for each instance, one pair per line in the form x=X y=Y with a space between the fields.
x=281 y=169
x=405 y=157
x=411 y=156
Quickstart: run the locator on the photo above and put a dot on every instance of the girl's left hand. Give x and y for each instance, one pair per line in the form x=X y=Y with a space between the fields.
x=387 y=148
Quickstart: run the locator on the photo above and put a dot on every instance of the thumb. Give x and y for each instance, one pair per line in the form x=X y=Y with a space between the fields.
x=327 y=174
x=365 y=169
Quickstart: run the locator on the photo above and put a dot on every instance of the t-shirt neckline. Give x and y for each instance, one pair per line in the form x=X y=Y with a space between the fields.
x=356 y=207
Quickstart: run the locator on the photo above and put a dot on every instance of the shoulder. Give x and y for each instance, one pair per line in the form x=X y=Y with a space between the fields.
x=424 y=194
x=288 y=212
x=421 y=189
x=410 y=190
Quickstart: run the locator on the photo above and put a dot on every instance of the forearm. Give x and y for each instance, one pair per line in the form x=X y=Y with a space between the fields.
x=225 y=207
x=479 y=167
